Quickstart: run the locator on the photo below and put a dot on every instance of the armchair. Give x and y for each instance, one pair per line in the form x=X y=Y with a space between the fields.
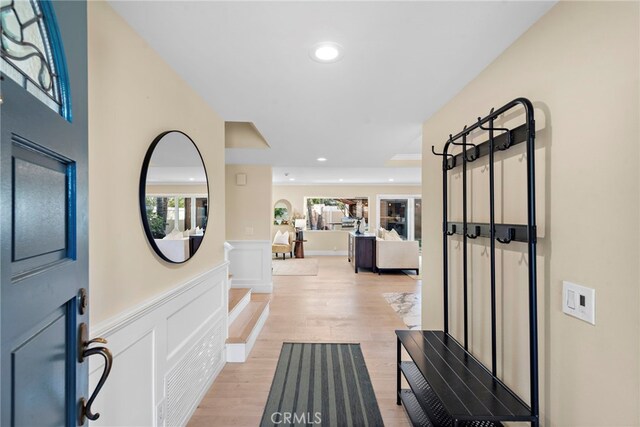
x=282 y=248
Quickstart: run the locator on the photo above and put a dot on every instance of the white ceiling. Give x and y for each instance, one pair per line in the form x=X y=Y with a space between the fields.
x=352 y=175
x=402 y=62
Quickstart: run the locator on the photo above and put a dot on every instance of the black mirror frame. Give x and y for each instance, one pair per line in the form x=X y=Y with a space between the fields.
x=143 y=192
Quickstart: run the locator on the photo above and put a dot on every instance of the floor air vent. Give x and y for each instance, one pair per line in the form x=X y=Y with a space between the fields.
x=185 y=382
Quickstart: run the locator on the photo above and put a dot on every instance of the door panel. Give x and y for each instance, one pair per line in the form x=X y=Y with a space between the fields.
x=40 y=369
x=39 y=199
x=43 y=198
x=43 y=236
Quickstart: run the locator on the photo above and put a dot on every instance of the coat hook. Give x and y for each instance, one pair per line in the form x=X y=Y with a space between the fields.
x=433 y=150
x=447 y=156
x=453 y=230
x=476 y=149
x=509 y=138
x=510 y=236
x=453 y=163
x=474 y=236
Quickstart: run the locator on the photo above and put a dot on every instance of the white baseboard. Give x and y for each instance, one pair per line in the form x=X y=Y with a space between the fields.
x=239 y=352
x=325 y=253
x=177 y=335
x=250 y=265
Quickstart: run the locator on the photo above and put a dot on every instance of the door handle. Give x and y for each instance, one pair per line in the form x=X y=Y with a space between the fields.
x=84 y=351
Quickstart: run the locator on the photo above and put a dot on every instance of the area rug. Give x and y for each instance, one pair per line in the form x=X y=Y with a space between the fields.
x=321 y=384
x=408 y=306
x=295 y=267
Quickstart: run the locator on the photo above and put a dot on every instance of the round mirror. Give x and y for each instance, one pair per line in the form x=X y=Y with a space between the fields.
x=174 y=196
x=281 y=212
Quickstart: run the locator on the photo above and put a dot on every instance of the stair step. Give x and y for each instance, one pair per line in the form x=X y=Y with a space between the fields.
x=240 y=330
x=236 y=295
x=244 y=331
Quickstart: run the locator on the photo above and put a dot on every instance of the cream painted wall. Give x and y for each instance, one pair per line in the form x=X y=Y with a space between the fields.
x=579 y=65
x=329 y=241
x=243 y=135
x=248 y=207
x=133 y=96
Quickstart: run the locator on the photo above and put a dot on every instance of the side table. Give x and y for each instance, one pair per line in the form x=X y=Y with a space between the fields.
x=299 y=249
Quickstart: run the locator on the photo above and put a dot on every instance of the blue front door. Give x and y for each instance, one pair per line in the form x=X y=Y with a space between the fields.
x=43 y=212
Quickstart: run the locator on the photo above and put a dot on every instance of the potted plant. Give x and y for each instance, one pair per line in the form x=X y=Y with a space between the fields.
x=278 y=214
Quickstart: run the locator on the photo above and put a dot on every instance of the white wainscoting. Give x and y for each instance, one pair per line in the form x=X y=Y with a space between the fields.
x=167 y=352
x=250 y=265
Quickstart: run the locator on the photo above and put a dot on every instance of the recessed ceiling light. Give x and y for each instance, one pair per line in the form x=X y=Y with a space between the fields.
x=321 y=159
x=292 y=179
x=341 y=180
x=390 y=179
x=192 y=179
x=326 y=52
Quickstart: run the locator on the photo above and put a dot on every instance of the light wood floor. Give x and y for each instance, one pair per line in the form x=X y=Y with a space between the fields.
x=337 y=305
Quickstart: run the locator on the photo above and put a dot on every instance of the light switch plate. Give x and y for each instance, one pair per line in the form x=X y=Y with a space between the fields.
x=579 y=301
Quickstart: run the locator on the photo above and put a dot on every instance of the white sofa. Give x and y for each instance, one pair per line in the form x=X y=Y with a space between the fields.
x=177 y=250
x=397 y=255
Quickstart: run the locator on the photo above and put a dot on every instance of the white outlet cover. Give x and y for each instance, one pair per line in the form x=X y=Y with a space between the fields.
x=579 y=301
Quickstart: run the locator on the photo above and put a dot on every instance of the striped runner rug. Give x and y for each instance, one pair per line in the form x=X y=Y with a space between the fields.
x=321 y=384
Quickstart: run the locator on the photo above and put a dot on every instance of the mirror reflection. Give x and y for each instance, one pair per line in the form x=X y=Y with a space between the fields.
x=174 y=197
x=281 y=212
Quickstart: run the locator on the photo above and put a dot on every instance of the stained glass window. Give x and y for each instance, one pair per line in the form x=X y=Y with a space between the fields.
x=28 y=27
